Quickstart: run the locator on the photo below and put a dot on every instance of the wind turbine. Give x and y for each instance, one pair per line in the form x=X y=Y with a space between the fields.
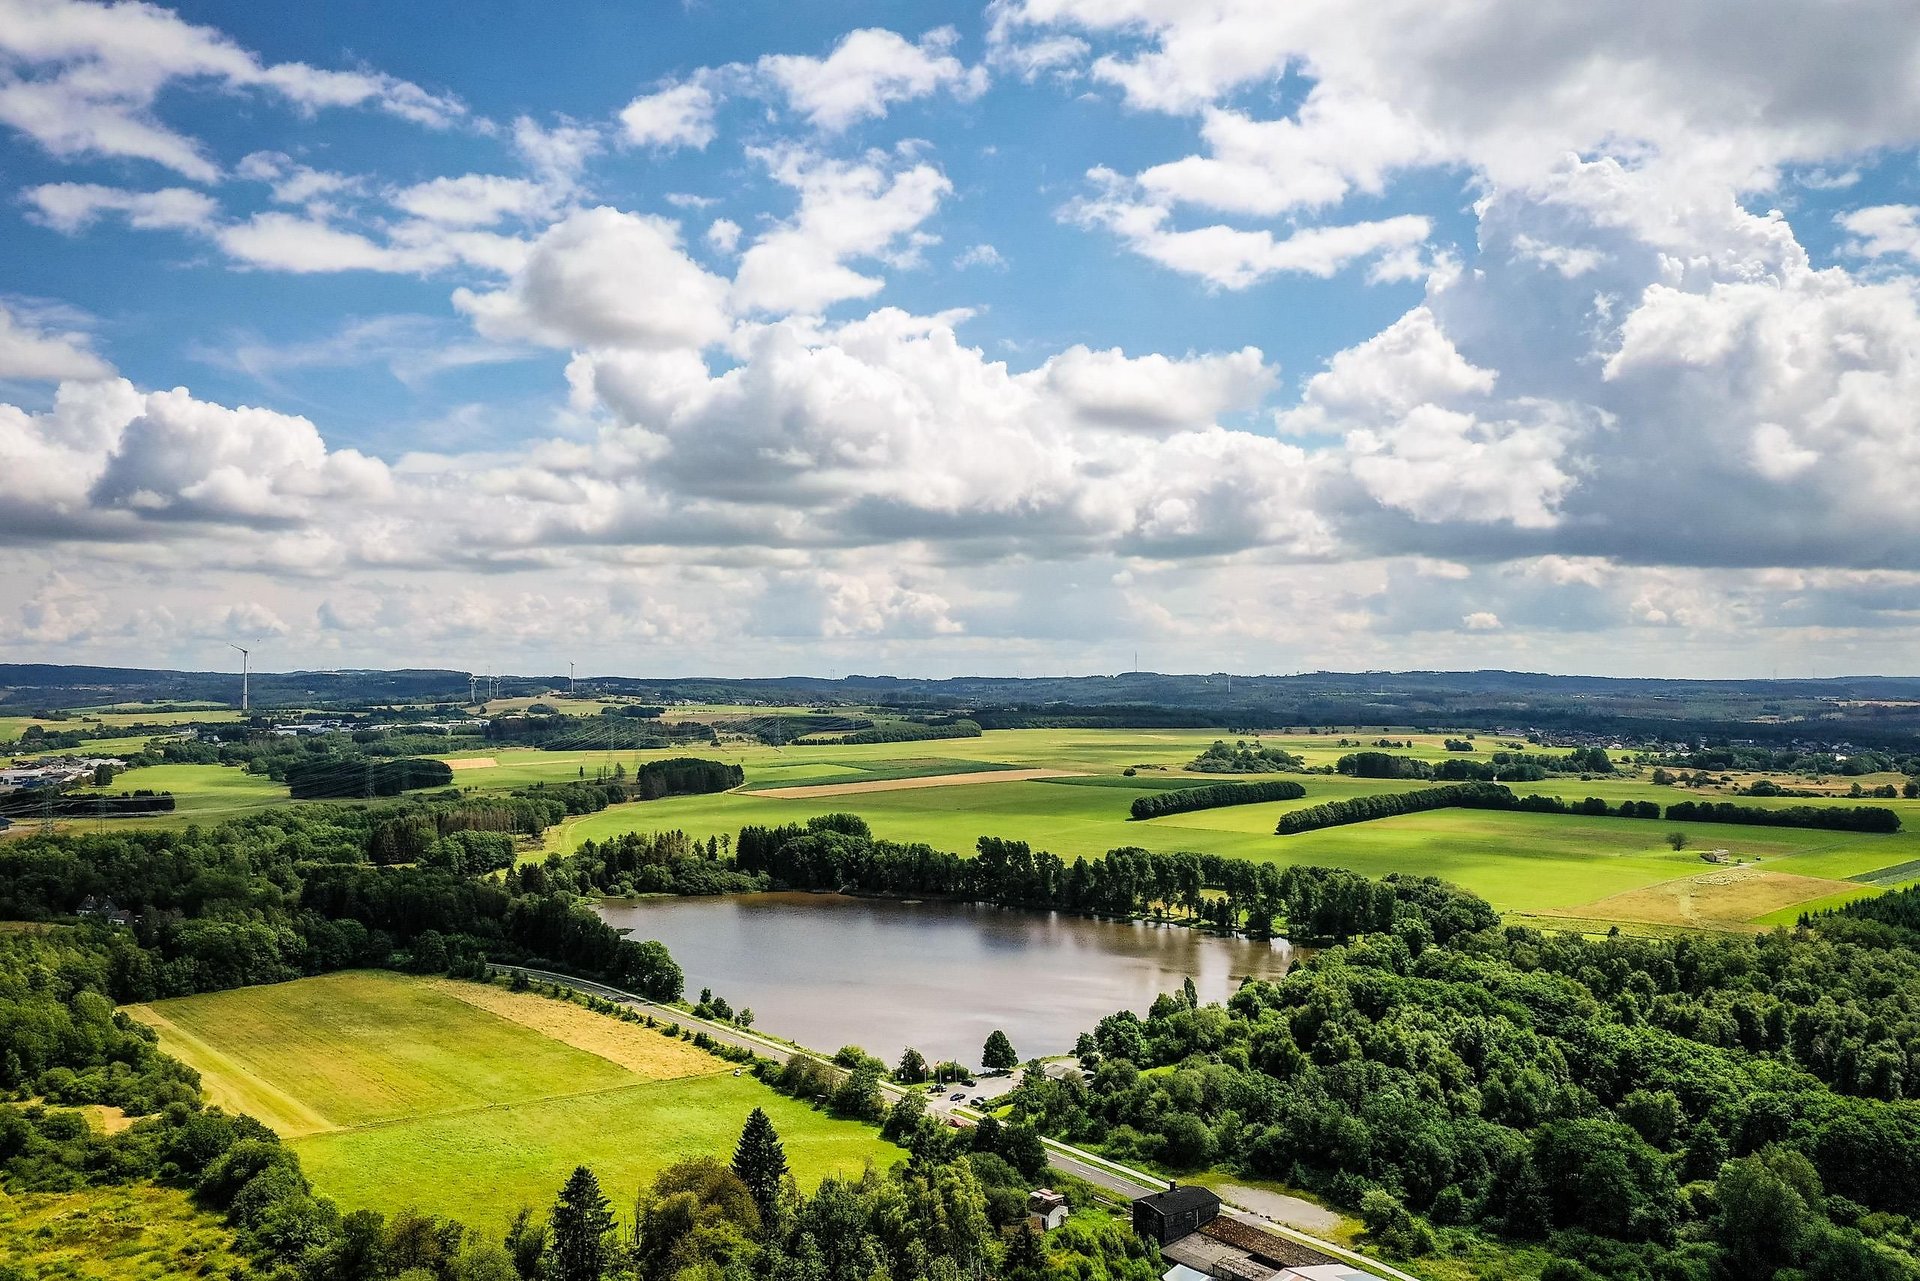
x=569 y=678
x=244 y=652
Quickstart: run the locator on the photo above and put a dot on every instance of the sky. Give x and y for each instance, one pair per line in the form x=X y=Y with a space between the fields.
x=934 y=339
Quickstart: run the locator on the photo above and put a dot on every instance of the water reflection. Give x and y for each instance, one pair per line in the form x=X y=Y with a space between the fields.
x=828 y=970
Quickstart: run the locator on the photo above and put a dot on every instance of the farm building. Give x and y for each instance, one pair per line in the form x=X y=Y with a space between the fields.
x=1177 y=1212
x=1046 y=1209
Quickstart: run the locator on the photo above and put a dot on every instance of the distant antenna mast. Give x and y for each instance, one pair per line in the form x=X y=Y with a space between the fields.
x=244 y=652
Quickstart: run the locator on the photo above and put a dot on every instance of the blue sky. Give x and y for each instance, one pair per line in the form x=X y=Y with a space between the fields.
x=942 y=338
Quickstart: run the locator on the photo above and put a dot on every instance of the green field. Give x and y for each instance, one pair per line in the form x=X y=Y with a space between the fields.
x=1549 y=868
x=399 y=1091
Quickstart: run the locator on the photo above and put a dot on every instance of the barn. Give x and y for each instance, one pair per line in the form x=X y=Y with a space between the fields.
x=1169 y=1215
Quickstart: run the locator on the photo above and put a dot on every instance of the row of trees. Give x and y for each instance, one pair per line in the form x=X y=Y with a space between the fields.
x=1494 y=796
x=1513 y=767
x=913 y=731
x=837 y=851
x=1363 y=809
x=1182 y=800
x=1842 y=818
x=54 y=804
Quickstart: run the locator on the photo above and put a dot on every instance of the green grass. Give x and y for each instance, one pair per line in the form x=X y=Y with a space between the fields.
x=201 y=793
x=129 y=1233
x=1520 y=862
x=396 y=1093
x=363 y=1047
x=481 y=1166
x=1527 y=863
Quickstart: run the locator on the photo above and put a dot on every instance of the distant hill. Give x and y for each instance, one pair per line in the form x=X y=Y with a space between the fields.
x=1862 y=709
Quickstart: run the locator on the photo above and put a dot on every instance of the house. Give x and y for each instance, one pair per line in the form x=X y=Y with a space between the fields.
x=1181 y=1272
x=1046 y=1209
x=1177 y=1212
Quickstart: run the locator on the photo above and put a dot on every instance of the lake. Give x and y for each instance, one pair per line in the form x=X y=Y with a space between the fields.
x=828 y=970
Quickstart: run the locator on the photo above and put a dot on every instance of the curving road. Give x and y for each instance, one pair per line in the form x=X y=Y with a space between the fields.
x=1078 y=1162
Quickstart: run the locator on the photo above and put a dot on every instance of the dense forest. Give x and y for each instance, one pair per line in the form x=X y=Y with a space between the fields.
x=1700 y=1108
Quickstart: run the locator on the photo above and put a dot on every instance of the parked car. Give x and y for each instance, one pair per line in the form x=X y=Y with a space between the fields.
x=957 y=1098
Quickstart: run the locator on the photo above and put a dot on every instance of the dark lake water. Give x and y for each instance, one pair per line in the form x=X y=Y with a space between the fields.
x=828 y=970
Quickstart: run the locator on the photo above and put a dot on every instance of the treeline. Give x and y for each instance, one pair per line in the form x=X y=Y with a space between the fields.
x=1184 y=799
x=1849 y=763
x=404 y=834
x=561 y=733
x=246 y=903
x=1647 y=1110
x=1363 y=809
x=838 y=852
x=912 y=732
x=1840 y=818
x=1886 y=920
x=339 y=777
x=642 y=863
x=40 y=800
x=1494 y=796
x=1502 y=766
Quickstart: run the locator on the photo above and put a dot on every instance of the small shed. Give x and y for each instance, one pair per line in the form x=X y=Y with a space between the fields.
x=1169 y=1215
x=1047 y=1209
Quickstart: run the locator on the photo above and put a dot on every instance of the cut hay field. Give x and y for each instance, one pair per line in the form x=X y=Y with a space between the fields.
x=472 y=1101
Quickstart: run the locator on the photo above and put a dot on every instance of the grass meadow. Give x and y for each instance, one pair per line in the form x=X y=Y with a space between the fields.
x=471 y=1101
x=130 y=1233
x=1551 y=869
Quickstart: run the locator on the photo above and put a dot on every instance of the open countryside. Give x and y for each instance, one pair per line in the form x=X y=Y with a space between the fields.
x=1066 y=791
x=457 y=1099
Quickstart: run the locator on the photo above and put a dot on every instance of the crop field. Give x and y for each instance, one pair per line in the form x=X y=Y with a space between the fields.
x=472 y=1101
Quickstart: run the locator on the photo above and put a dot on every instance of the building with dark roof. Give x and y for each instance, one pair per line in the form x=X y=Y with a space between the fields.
x=1178 y=1211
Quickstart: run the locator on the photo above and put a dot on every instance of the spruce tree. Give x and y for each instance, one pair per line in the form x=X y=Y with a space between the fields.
x=998 y=1054
x=761 y=1163
x=582 y=1225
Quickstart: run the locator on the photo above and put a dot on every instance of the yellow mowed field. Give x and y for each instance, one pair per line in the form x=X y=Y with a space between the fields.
x=471 y=1100
x=1725 y=898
